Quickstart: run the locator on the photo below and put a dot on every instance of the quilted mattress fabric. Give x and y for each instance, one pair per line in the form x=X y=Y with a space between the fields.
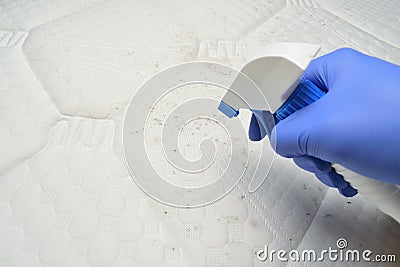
x=68 y=71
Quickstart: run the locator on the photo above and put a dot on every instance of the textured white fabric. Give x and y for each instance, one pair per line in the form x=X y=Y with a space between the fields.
x=67 y=73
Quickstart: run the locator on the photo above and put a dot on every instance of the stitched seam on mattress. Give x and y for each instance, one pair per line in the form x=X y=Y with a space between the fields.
x=258 y=204
x=255 y=205
x=254 y=26
x=310 y=3
x=12 y=38
x=61 y=118
x=362 y=29
x=21 y=161
x=258 y=211
x=348 y=22
x=321 y=21
x=15 y=23
x=66 y=117
x=71 y=61
x=312 y=219
x=34 y=75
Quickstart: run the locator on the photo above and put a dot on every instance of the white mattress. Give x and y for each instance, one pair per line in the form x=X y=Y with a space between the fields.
x=67 y=73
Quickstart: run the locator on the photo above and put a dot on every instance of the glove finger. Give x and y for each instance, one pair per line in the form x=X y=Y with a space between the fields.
x=325 y=173
x=335 y=180
x=323 y=72
x=254 y=129
x=326 y=179
x=316 y=72
x=312 y=164
x=320 y=168
x=261 y=125
x=290 y=135
x=348 y=191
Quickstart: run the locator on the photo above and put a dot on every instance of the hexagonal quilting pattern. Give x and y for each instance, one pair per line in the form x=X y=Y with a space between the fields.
x=71 y=202
x=26 y=112
x=82 y=58
x=26 y=14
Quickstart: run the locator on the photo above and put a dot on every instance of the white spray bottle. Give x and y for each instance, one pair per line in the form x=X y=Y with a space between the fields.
x=276 y=70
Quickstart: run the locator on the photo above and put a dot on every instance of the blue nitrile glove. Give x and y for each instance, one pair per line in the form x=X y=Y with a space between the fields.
x=356 y=124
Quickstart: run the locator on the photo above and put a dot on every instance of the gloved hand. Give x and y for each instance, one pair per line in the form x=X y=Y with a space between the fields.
x=356 y=124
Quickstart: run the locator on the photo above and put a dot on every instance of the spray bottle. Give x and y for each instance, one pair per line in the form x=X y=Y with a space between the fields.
x=276 y=70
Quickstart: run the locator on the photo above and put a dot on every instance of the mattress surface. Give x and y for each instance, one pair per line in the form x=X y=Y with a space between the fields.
x=68 y=72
